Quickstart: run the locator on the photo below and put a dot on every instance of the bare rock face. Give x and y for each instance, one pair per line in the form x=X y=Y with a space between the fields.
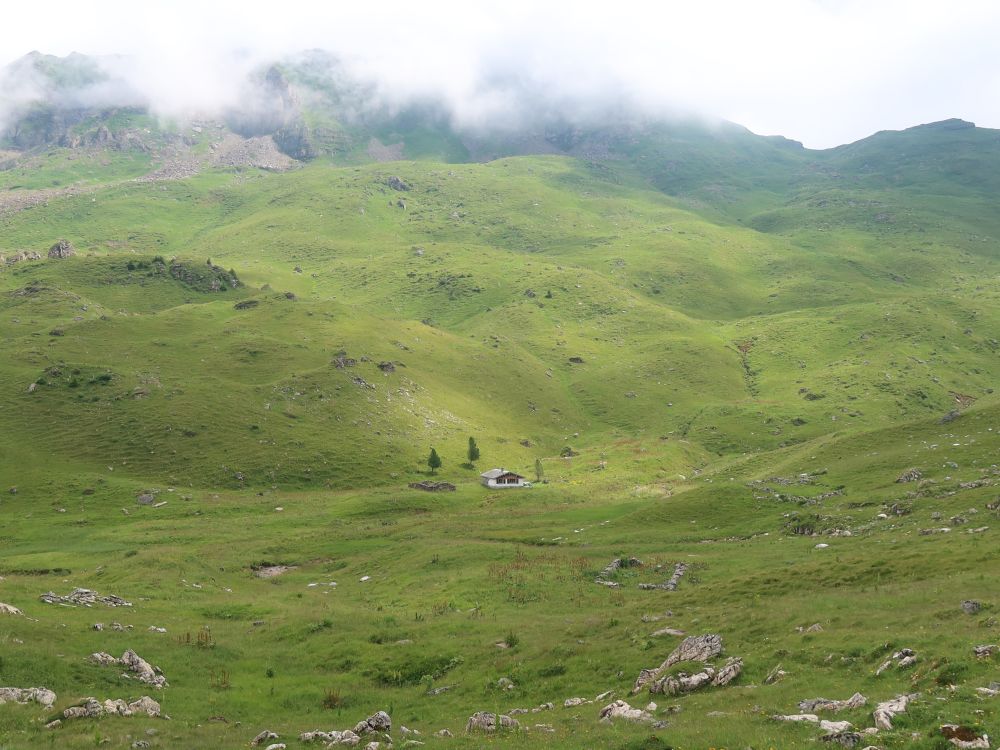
x=44 y=696
x=484 y=721
x=62 y=249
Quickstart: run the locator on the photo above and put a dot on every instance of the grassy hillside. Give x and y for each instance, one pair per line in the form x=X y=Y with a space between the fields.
x=743 y=344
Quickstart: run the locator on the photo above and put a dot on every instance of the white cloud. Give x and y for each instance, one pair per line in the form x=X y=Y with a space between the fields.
x=821 y=71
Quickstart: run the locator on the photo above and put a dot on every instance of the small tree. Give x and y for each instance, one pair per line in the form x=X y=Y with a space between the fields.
x=473 y=451
x=434 y=461
x=539 y=471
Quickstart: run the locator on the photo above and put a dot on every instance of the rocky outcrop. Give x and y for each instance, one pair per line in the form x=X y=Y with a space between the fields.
x=333 y=737
x=377 y=722
x=265 y=736
x=682 y=682
x=91 y=708
x=137 y=667
x=9 y=609
x=910 y=475
x=62 y=249
x=484 y=721
x=621 y=710
x=44 y=696
x=701 y=648
x=885 y=711
x=85 y=598
x=397 y=183
x=824 y=704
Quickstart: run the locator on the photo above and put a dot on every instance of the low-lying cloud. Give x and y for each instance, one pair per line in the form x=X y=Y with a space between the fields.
x=821 y=71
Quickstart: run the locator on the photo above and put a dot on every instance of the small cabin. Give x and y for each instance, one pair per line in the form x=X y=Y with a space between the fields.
x=502 y=478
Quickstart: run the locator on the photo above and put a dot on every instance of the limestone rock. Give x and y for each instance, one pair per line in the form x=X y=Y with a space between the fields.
x=265 y=736
x=824 y=704
x=41 y=695
x=62 y=249
x=812 y=718
x=377 y=722
x=485 y=721
x=885 y=711
x=622 y=710
x=8 y=609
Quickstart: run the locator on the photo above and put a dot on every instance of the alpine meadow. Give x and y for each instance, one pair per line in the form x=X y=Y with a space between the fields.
x=254 y=366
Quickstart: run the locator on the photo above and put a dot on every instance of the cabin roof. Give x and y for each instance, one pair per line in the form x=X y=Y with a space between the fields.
x=496 y=473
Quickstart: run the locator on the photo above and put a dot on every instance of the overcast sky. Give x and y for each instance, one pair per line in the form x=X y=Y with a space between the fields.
x=824 y=72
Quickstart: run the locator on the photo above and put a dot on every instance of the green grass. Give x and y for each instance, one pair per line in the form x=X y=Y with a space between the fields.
x=746 y=316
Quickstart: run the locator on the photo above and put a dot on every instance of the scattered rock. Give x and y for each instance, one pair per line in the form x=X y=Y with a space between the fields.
x=571 y=702
x=576 y=360
x=397 y=184
x=44 y=696
x=387 y=366
x=484 y=721
x=985 y=652
x=8 y=609
x=971 y=607
x=505 y=683
x=62 y=249
x=443 y=733
x=246 y=304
